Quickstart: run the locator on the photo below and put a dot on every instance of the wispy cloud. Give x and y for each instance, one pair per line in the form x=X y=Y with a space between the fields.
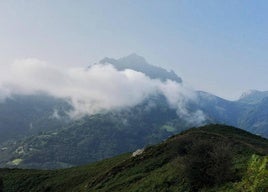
x=92 y=90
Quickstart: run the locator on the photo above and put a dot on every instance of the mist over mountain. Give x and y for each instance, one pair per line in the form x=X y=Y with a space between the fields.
x=97 y=89
x=22 y=115
x=83 y=115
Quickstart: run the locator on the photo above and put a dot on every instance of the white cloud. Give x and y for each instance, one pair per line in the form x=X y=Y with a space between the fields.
x=178 y=97
x=89 y=91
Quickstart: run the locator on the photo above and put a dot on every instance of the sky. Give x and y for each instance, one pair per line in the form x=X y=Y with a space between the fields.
x=218 y=46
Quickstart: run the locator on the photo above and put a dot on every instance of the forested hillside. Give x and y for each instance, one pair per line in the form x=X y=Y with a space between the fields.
x=210 y=158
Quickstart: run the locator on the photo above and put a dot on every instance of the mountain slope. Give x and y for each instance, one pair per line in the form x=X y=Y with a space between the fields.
x=249 y=113
x=254 y=119
x=36 y=132
x=23 y=115
x=157 y=168
x=105 y=135
x=96 y=137
x=253 y=96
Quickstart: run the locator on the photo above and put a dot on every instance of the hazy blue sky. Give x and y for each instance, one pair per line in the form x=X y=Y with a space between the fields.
x=217 y=46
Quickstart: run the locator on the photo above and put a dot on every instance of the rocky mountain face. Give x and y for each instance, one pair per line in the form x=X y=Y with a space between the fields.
x=138 y=63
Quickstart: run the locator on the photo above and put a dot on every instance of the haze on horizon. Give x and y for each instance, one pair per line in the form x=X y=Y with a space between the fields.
x=215 y=46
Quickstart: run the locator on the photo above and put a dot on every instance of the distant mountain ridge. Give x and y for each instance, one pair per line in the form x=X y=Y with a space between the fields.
x=138 y=63
x=253 y=96
x=249 y=113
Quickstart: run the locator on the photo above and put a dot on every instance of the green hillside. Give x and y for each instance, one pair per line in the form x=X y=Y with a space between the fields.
x=210 y=158
x=94 y=138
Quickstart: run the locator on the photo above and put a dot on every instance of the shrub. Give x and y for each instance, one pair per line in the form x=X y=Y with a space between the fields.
x=256 y=177
x=207 y=164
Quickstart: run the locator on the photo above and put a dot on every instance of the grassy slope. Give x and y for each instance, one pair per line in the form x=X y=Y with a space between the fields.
x=158 y=168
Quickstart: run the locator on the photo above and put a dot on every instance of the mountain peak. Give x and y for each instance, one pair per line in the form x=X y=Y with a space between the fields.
x=135 y=58
x=249 y=93
x=134 y=55
x=253 y=96
x=138 y=63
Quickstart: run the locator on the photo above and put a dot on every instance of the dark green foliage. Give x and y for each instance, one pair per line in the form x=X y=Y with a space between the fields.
x=256 y=176
x=159 y=168
x=1 y=185
x=208 y=164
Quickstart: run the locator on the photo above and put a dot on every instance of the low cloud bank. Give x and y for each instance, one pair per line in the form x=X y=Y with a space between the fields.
x=95 y=89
